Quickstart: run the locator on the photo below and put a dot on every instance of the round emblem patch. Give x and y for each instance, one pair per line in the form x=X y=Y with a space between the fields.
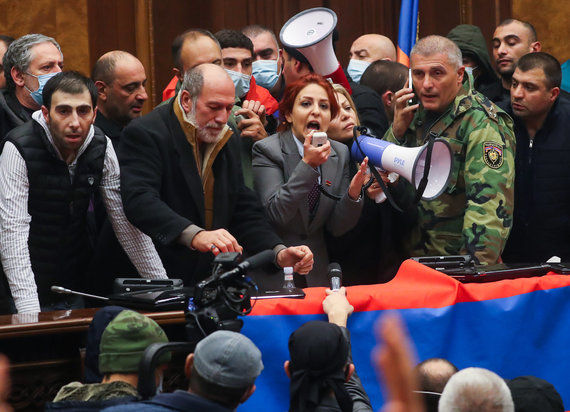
x=493 y=154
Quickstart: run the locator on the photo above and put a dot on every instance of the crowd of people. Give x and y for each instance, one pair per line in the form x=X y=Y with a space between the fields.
x=230 y=162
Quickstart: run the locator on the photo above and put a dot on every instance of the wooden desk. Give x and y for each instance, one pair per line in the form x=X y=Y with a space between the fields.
x=45 y=350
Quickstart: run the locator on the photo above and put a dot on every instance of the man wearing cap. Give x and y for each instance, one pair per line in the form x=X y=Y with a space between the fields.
x=534 y=394
x=123 y=343
x=222 y=373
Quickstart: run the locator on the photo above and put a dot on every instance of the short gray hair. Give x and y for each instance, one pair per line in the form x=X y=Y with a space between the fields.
x=19 y=55
x=476 y=390
x=193 y=83
x=430 y=45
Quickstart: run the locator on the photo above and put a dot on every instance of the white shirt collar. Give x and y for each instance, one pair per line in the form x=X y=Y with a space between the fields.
x=300 y=145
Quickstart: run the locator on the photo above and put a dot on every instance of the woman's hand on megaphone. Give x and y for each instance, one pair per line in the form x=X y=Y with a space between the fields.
x=359 y=179
x=315 y=156
x=403 y=114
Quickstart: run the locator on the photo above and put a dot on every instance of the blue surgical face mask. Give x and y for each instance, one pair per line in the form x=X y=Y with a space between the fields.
x=356 y=68
x=266 y=73
x=42 y=80
x=241 y=82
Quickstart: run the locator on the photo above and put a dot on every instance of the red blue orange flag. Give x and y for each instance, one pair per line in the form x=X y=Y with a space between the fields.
x=513 y=327
x=408 y=30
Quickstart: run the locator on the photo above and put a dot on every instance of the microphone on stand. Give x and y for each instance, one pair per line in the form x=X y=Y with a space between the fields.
x=64 y=291
x=335 y=276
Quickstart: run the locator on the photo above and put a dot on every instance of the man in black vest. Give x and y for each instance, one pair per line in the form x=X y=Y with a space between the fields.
x=541 y=225
x=50 y=168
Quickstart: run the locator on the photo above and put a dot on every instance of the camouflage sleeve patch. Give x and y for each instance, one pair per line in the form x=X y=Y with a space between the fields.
x=493 y=154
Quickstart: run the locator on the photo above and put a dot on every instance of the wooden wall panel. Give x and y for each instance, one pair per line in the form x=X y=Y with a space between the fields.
x=440 y=16
x=171 y=17
x=88 y=28
x=111 y=27
x=64 y=20
x=552 y=24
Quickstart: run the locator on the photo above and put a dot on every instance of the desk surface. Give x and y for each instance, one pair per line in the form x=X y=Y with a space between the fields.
x=64 y=321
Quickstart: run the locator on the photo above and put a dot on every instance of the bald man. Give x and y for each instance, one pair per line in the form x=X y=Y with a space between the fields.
x=182 y=183
x=120 y=79
x=190 y=49
x=367 y=49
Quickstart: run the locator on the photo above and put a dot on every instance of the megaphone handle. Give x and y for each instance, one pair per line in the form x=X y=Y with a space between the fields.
x=339 y=77
x=388 y=193
x=424 y=181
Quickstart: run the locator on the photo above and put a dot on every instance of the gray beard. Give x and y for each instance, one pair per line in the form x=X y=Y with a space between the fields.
x=203 y=134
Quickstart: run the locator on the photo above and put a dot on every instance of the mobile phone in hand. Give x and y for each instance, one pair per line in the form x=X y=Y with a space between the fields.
x=239 y=118
x=413 y=100
x=319 y=139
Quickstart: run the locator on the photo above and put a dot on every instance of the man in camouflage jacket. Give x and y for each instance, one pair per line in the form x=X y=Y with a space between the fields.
x=474 y=214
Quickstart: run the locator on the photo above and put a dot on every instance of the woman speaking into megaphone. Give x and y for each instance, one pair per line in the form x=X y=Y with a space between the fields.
x=305 y=186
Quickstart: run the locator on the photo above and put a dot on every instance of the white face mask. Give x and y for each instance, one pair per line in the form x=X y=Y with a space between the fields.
x=241 y=82
x=356 y=68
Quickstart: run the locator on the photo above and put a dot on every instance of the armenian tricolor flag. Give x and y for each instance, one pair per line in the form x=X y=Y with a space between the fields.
x=408 y=30
x=513 y=327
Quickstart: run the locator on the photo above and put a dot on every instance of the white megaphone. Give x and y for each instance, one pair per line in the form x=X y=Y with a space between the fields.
x=408 y=162
x=310 y=32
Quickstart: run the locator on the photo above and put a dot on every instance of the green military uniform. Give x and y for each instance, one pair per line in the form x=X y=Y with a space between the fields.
x=474 y=213
x=76 y=391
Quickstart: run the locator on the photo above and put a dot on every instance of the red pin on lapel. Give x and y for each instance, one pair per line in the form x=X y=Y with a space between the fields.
x=328 y=183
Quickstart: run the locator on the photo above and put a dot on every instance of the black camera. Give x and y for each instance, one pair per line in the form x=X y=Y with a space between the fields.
x=218 y=300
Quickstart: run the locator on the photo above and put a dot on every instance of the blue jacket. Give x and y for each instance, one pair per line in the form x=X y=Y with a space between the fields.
x=176 y=401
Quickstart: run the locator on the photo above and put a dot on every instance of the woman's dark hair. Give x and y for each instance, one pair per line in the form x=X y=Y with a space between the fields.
x=291 y=91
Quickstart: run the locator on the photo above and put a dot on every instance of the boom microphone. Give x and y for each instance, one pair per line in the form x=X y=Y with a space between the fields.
x=335 y=276
x=254 y=262
x=64 y=291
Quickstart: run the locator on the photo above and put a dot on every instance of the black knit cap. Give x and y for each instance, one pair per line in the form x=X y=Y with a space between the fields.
x=532 y=394
x=319 y=353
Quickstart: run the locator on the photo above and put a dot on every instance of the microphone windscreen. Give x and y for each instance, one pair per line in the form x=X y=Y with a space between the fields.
x=335 y=270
